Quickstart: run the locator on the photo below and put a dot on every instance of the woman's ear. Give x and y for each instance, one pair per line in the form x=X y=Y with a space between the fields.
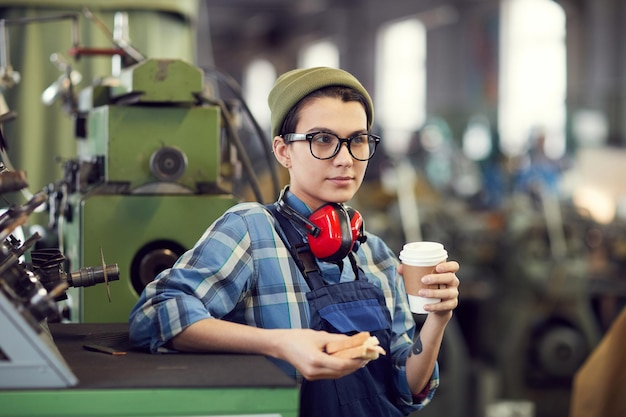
x=281 y=152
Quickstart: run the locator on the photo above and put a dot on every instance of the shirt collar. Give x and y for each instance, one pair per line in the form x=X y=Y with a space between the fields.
x=297 y=204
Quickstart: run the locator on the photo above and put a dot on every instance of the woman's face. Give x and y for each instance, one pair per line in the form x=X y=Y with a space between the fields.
x=316 y=181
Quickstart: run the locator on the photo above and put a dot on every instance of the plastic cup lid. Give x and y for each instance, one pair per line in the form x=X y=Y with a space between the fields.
x=423 y=253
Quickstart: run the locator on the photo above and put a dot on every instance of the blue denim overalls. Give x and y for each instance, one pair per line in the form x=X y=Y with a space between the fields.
x=347 y=307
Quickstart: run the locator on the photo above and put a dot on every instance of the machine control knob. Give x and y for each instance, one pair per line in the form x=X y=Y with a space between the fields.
x=168 y=164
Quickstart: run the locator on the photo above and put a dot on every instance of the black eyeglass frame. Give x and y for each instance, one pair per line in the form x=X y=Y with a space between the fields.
x=293 y=137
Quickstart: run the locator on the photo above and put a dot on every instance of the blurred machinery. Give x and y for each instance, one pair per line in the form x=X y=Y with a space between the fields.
x=157 y=160
x=158 y=157
x=540 y=277
x=38 y=358
x=146 y=181
x=29 y=293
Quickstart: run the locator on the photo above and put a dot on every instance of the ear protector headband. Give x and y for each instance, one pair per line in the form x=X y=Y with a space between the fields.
x=331 y=230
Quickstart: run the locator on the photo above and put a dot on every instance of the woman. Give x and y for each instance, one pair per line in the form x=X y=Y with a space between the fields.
x=250 y=285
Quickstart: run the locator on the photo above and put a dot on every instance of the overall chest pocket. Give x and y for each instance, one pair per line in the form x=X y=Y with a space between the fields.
x=355 y=316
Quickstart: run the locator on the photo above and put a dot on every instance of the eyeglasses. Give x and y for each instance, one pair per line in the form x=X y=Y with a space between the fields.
x=325 y=145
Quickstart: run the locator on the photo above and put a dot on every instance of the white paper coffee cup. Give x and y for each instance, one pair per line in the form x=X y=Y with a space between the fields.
x=419 y=259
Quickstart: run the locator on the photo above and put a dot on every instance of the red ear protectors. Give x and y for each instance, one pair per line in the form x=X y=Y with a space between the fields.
x=356 y=225
x=334 y=241
x=332 y=229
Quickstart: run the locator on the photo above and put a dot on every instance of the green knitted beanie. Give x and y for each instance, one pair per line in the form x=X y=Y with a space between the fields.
x=294 y=85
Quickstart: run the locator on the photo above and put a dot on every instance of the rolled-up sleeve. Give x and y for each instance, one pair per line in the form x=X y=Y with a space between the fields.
x=206 y=282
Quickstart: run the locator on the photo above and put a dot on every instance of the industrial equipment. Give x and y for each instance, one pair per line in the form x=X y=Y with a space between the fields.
x=145 y=184
x=147 y=180
x=28 y=297
x=148 y=177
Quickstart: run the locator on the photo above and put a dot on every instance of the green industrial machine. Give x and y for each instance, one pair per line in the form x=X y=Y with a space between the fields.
x=146 y=182
x=150 y=174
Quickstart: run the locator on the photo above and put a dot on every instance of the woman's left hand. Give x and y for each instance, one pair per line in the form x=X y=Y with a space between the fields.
x=443 y=284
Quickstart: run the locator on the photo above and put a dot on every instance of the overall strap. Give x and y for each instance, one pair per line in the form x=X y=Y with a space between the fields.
x=300 y=251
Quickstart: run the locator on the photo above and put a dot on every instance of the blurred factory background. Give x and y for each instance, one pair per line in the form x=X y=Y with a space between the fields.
x=504 y=138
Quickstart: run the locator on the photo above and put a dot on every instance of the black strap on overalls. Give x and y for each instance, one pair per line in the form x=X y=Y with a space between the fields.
x=347 y=307
x=300 y=251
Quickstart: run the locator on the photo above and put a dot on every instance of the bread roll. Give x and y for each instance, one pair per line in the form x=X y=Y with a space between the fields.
x=354 y=340
x=359 y=346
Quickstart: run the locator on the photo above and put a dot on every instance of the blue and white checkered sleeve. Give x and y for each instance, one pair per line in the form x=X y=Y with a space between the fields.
x=206 y=281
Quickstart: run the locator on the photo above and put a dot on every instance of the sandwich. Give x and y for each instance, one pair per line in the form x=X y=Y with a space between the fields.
x=359 y=346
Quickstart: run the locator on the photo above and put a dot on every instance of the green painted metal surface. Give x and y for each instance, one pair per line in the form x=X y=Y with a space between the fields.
x=129 y=135
x=124 y=224
x=162 y=80
x=154 y=402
